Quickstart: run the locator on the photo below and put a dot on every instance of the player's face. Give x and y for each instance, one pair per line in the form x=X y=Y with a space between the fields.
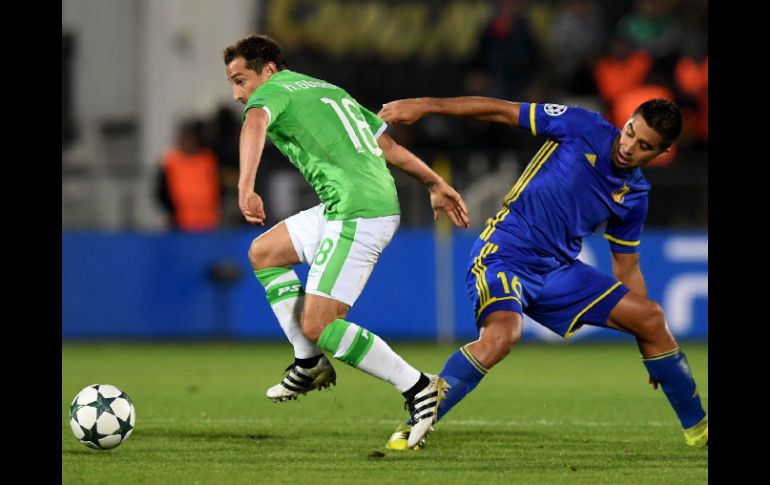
x=636 y=145
x=244 y=81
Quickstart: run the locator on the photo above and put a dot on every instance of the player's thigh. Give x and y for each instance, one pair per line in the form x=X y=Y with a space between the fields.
x=346 y=255
x=273 y=249
x=575 y=295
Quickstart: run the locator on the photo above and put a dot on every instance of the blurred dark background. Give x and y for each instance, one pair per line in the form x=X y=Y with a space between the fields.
x=135 y=78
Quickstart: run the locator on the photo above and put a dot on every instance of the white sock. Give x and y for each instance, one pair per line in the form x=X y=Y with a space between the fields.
x=286 y=296
x=366 y=351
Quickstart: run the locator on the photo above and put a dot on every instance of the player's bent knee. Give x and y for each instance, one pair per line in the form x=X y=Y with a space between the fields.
x=654 y=321
x=258 y=255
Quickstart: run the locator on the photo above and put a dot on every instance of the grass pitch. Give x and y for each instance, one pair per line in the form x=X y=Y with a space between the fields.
x=560 y=413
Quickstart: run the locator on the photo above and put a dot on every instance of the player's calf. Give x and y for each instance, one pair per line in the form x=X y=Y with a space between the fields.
x=500 y=332
x=644 y=319
x=318 y=312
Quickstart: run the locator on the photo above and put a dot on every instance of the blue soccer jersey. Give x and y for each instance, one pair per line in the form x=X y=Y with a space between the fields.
x=525 y=259
x=570 y=187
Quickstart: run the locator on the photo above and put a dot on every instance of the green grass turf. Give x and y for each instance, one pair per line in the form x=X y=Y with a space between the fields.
x=558 y=413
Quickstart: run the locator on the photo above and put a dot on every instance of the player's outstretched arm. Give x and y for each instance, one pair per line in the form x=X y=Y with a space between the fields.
x=442 y=195
x=252 y=143
x=407 y=111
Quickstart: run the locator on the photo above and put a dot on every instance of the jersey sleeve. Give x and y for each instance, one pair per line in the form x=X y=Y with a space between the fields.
x=624 y=235
x=554 y=120
x=272 y=98
x=377 y=125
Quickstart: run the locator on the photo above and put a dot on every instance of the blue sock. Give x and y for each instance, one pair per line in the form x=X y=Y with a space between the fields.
x=463 y=372
x=672 y=372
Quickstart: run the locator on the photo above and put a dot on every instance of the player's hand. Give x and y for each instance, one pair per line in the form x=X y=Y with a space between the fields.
x=403 y=111
x=444 y=197
x=252 y=208
x=653 y=382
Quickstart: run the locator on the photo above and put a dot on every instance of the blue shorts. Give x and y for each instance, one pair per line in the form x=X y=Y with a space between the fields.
x=561 y=297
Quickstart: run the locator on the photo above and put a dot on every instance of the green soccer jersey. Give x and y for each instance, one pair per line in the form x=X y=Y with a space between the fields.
x=332 y=140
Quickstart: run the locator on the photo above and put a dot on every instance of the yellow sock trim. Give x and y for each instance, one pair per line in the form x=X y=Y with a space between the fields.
x=474 y=361
x=661 y=356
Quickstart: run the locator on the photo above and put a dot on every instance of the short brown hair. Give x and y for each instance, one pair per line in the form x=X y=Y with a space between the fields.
x=257 y=50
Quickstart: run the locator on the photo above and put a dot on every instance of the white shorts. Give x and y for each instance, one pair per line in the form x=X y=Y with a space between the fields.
x=341 y=254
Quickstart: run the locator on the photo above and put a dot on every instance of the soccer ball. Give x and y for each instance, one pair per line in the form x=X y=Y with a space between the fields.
x=102 y=416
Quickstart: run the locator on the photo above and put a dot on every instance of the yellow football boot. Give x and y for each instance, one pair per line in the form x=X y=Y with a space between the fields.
x=399 y=439
x=698 y=435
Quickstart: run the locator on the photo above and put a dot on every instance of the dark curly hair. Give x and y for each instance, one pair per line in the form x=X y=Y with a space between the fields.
x=662 y=116
x=258 y=50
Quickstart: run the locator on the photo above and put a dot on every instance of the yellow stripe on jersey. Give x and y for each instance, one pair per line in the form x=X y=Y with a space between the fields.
x=537 y=161
x=529 y=168
x=663 y=355
x=570 y=332
x=523 y=182
x=473 y=360
x=532 y=107
x=492 y=223
x=620 y=241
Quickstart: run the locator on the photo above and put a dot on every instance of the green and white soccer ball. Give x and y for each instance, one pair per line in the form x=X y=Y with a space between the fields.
x=102 y=416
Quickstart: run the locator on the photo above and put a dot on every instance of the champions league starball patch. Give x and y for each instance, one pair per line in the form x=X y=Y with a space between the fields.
x=554 y=109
